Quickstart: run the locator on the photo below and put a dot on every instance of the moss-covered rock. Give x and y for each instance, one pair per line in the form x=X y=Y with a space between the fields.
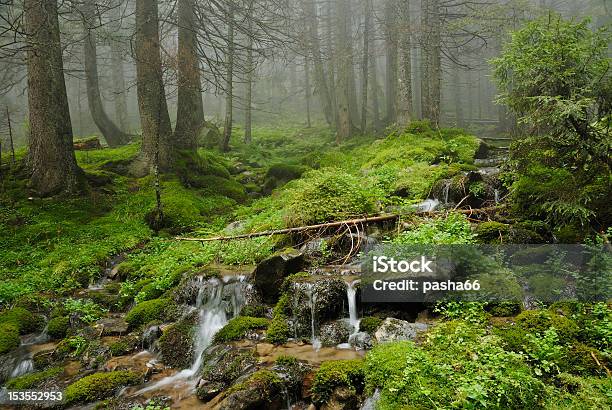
x=278 y=330
x=58 y=327
x=272 y=271
x=99 y=386
x=538 y=321
x=262 y=390
x=9 y=337
x=497 y=232
x=176 y=343
x=279 y=174
x=582 y=359
x=222 y=366
x=32 y=380
x=238 y=327
x=26 y=321
x=369 y=324
x=150 y=310
x=334 y=333
x=337 y=373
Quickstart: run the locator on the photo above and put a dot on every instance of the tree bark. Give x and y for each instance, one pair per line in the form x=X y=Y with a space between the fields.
x=152 y=105
x=374 y=89
x=344 y=64
x=51 y=161
x=425 y=60
x=112 y=134
x=367 y=23
x=405 y=109
x=229 y=81
x=459 y=120
x=190 y=112
x=307 y=91
x=248 y=115
x=118 y=74
x=391 y=47
x=320 y=78
x=436 y=64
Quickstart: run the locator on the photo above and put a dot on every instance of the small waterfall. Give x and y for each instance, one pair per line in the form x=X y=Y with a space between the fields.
x=312 y=302
x=496 y=194
x=215 y=298
x=427 y=205
x=351 y=294
x=445 y=191
x=371 y=402
x=25 y=366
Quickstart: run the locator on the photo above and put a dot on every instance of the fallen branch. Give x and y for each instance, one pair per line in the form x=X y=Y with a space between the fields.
x=365 y=220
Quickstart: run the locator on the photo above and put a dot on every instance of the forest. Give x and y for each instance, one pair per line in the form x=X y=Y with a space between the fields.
x=200 y=200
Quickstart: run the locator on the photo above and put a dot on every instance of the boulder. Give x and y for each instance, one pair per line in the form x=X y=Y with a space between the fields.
x=270 y=273
x=342 y=398
x=334 y=333
x=113 y=326
x=361 y=340
x=393 y=330
x=482 y=151
x=262 y=390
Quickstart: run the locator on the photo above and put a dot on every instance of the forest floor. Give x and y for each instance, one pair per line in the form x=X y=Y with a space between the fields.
x=98 y=278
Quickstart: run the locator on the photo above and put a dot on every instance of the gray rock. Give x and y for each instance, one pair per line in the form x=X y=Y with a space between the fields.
x=113 y=326
x=334 y=333
x=392 y=330
x=270 y=273
x=361 y=340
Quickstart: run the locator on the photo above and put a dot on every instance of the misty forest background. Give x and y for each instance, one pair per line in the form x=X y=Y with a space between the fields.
x=129 y=126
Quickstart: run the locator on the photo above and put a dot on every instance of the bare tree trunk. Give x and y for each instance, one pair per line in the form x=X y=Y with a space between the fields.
x=229 y=81
x=112 y=134
x=248 y=116
x=374 y=90
x=190 y=112
x=307 y=91
x=391 y=46
x=405 y=110
x=51 y=160
x=457 y=98
x=319 y=72
x=367 y=23
x=425 y=60
x=118 y=75
x=152 y=105
x=332 y=60
x=436 y=65
x=10 y=130
x=344 y=65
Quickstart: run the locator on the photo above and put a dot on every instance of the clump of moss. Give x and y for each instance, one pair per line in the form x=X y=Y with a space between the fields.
x=538 y=321
x=222 y=367
x=278 y=330
x=337 y=373
x=237 y=328
x=58 y=327
x=176 y=344
x=503 y=308
x=99 y=386
x=32 y=380
x=286 y=361
x=124 y=346
x=9 y=337
x=26 y=321
x=582 y=359
x=253 y=310
x=263 y=379
x=369 y=324
x=145 y=312
x=279 y=174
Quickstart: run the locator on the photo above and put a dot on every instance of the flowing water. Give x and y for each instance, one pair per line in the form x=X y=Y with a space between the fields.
x=216 y=298
x=312 y=302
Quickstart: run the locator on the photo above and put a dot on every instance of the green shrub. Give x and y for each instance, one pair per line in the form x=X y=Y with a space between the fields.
x=99 y=386
x=145 y=312
x=9 y=337
x=369 y=324
x=87 y=310
x=337 y=373
x=286 y=361
x=253 y=310
x=31 y=380
x=538 y=321
x=454 y=229
x=26 y=321
x=58 y=326
x=504 y=308
x=237 y=328
x=491 y=232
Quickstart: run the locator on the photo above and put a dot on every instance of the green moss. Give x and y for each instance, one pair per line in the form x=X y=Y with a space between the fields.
x=9 y=337
x=99 y=386
x=286 y=361
x=264 y=380
x=538 y=321
x=491 y=232
x=238 y=327
x=337 y=373
x=504 y=308
x=148 y=311
x=582 y=359
x=26 y=321
x=253 y=310
x=369 y=324
x=33 y=380
x=177 y=342
x=278 y=330
x=58 y=327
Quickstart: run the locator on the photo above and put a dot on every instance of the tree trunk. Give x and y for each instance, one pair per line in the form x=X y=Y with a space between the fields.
x=112 y=134
x=436 y=65
x=229 y=81
x=374 y=89
x=367 y=23
x=190 y=112
x=152 y=105
x=405 y=110
x=458 y=103
x=320 y=78
x=51 y=161
x=248 y=115
x=118 y=75
x=344 y=64
x=425 y=60
x=307 y=91
x=391 y=47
